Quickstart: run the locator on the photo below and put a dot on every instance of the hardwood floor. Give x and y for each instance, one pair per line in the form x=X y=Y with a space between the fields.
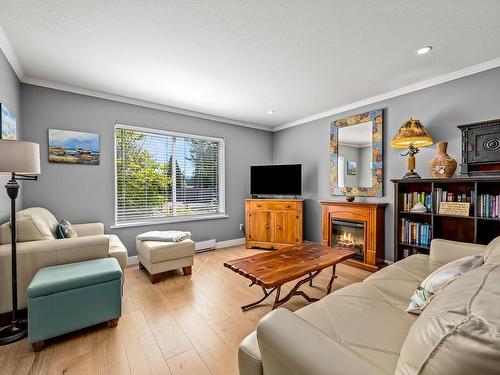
x=182 y=325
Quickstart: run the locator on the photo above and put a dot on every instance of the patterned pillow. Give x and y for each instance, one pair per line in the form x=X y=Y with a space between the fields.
x=65 y=230
x=441 y=277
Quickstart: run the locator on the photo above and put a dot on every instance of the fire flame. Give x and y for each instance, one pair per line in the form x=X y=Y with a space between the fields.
x=347 y=238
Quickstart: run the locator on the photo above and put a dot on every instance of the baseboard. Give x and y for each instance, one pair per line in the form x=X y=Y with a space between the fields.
x=218 y=245
x=229 y=243
x=388 y=261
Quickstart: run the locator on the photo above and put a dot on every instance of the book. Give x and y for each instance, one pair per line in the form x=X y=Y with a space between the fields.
x=415 y=233
x=411 y=199
x=489 y=206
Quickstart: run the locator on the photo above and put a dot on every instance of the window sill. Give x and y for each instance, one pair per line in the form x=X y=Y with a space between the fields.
x=169 y=220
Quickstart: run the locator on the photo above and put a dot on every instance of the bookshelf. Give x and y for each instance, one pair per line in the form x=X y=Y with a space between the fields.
x=413 y=231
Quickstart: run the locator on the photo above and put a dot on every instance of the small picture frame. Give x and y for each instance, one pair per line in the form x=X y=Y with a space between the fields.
x=8 y=126
x=352 y=168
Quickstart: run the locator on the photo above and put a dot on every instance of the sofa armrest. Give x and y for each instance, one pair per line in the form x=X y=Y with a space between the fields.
x=445 y=251
x=290 y=345
x=89 y=229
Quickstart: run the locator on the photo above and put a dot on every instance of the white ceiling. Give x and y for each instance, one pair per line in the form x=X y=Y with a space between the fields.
x=238 y=59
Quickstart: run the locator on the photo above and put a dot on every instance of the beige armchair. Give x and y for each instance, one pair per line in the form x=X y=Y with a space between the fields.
x=38 y=247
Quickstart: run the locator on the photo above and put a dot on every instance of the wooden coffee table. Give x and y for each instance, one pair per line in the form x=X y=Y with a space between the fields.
x=272 y=269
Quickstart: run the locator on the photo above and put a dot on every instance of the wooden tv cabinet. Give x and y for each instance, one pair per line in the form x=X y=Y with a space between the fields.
x=273 y=223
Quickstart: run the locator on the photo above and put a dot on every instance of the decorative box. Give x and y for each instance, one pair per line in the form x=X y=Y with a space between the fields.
x=480 y=148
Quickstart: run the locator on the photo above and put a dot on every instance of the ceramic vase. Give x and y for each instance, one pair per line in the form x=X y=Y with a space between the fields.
x=442 y=165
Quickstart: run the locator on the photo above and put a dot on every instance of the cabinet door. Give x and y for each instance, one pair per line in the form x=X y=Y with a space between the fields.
x=259 y=226
x=285 y=227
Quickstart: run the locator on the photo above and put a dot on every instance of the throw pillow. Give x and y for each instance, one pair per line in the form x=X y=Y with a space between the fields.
x=65 y=230
x=441 y=277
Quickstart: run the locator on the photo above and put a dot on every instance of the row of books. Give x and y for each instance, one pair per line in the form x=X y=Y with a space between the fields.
x=411 y=199
x=415 y=233
x=446 y=196
x=489 y=206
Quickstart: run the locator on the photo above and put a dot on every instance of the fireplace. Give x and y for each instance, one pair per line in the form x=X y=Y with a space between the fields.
x=357 y=226
x=351 y=235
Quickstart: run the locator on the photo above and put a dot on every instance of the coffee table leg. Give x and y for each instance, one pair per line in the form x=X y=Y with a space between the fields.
x=253 y=304
x=296 y=292
x=277 y=298
x=330 y=283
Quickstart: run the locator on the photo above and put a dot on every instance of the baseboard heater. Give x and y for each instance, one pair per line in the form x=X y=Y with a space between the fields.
x=201 y=246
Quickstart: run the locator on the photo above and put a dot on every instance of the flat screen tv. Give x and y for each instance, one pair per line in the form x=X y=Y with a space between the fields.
x=279 y=179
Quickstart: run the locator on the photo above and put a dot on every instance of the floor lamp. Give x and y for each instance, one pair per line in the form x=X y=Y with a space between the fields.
x=20 y=160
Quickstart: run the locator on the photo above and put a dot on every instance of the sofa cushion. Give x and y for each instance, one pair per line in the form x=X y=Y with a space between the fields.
x=370 y=317
x=364 y=319
x=398 y=282
x=492 y=253
x=439 y=279
x=35 y=224
x=459 y=332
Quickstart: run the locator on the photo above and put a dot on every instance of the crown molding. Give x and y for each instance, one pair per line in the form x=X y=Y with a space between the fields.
x=10 y=55
x=138 y=102
x=491 y=64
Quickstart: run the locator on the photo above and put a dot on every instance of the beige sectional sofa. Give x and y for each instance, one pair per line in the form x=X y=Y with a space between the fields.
x=364 y=329
x=38 y=247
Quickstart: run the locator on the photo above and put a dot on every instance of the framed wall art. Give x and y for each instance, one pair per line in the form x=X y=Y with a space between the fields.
x=356 y=155
x=72 y=147
x=8 y=124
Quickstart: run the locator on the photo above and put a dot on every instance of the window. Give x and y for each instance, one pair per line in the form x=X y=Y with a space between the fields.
x=164 y=176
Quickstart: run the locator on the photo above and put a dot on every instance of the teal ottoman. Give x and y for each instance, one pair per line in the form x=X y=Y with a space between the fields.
x=69 y=297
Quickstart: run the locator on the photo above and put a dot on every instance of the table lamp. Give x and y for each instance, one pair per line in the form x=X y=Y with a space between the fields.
x=20 y=160
x=411 y=135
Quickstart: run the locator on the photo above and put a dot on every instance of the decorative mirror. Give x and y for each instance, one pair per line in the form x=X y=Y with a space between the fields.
x=356 y=167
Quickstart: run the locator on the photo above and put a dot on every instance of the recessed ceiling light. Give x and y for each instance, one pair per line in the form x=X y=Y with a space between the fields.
x=270 y=112
x=423 y=50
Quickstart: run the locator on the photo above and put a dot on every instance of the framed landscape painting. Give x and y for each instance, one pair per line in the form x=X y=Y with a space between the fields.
x=7 y=124
x=351 y=168
x=71 y=147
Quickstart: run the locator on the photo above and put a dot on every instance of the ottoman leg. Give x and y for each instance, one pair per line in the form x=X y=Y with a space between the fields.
x=141 y=267
x=155 y=278
x=113 y=322
x=37 y=346
x=187 y=270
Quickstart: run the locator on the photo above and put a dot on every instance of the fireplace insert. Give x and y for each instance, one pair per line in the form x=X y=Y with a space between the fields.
x=350 y=235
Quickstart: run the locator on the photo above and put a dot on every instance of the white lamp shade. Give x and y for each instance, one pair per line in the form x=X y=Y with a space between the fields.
x=19 y=157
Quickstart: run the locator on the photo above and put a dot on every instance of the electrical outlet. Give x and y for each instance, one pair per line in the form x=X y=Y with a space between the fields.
x=242 y=227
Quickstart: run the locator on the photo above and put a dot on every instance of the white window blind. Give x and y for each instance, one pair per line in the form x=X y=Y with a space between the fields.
x=162 y=175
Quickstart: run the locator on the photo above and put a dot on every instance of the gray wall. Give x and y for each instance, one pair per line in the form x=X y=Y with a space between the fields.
x=440 y=108
x=10 y=91
x=82 y=193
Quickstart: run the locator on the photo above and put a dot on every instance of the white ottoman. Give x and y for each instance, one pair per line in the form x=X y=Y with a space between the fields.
x=158 y=257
